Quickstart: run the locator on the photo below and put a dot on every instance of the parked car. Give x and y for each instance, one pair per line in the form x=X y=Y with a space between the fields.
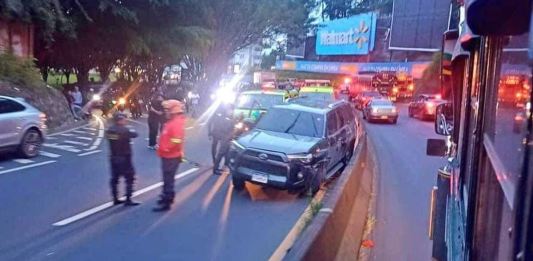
x=295 y=147
x=324 y=93
x=362 y=99
x=22 y=127
x=424 y=106
x=251 y=104
x=381 y=110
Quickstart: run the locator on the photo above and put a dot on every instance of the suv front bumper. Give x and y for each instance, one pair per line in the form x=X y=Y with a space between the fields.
x=284 y=174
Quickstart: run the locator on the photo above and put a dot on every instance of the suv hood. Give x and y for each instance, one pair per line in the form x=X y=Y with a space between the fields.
x=278 y=142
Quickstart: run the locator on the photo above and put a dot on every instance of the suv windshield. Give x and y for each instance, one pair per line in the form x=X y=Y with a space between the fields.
x=293 y=122
x=258 y=101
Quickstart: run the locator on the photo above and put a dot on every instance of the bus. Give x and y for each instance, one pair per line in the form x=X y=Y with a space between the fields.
x=481 y=207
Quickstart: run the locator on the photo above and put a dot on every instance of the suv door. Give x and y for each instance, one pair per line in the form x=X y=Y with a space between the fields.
x=333 y=135
x=9 y=122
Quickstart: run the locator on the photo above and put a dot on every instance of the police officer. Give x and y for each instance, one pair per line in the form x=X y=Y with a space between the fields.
x=212 y=132
x=119 y=137
x=224 y=132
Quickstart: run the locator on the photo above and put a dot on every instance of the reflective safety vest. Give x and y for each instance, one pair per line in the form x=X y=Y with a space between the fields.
x=172 y=138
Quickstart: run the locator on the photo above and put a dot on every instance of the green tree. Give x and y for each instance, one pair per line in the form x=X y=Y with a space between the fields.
x=235 y=24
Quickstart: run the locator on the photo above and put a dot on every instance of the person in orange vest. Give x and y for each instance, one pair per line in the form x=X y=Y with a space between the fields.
x=171 y=143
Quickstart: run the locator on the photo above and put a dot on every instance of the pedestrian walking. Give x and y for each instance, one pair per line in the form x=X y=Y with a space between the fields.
x=170 y=150
x=119 y=137
x=155 y=119
x=224 y=130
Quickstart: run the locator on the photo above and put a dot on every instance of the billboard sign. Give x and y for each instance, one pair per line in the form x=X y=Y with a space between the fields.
x=347 y=36
x=415 y=69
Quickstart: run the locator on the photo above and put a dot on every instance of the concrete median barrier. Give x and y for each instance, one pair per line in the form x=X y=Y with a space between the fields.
x=336 y=230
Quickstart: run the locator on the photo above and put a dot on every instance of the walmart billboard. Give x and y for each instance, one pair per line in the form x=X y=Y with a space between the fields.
x=348 y=36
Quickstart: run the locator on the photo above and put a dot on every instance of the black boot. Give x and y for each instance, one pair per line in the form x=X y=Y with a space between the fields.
x=162 y=208
x=130 y=202
x=117 y=201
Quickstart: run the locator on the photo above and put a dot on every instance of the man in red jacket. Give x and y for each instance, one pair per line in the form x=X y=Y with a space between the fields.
x=170 y=150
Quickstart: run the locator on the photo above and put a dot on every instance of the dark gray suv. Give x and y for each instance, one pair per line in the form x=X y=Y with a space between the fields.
x=295 y=146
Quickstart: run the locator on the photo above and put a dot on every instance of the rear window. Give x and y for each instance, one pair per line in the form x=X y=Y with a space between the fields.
x=293 y=122
x=9 y=106
x=382 y=103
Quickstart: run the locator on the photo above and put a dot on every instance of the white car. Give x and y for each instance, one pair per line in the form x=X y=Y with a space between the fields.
x=22 y=127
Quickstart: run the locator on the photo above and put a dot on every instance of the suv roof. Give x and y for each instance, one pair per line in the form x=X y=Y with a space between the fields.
x=313 y=106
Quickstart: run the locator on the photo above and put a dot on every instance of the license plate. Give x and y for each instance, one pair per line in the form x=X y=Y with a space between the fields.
x=384 y=117
x=261 y=178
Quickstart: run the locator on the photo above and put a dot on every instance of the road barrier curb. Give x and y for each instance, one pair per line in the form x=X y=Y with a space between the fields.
x=323 y=236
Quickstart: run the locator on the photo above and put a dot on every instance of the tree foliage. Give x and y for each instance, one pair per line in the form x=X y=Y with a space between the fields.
x=142 y=37
x=334 y=9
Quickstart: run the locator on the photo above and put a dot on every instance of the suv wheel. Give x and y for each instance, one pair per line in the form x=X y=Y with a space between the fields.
x=238 y=183
x=313 y=185
x=31 y=144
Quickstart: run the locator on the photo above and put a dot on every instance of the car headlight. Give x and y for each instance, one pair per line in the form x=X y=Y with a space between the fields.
x=237 y=146
x=96 y=97
x=239 y=126
x=304 y=158
x=122 y=101
x=374 y=110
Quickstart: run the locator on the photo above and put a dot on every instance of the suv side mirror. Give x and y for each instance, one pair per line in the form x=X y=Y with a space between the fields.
x=444 y=119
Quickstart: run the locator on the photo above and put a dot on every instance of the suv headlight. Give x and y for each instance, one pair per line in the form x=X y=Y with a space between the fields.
x=304 y=158
x=237 y=146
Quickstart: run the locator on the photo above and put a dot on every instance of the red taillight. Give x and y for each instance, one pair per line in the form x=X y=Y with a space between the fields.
x=518 y=95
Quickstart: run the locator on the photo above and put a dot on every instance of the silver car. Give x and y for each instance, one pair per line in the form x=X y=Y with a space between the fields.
x=381 y=110
x=22 y=127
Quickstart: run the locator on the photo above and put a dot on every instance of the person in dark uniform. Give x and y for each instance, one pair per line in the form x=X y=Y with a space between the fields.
x=119 y=137
x=212 y=132
x=223 y=130
x=220 y=131
x=155 y=119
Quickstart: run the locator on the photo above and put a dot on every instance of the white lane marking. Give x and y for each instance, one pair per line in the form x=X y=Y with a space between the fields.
x=49 y=154
x=107 y=205
x=1 y=167
x=27 y=167
x=89 y=153
x=88 y=128
x=76 y=142
x=83 y=138
x=100 y=135
x=67 y=134
x=23 y=161
x=61 y=147
x=50 y=138
x=82 y=132
x=189 y=128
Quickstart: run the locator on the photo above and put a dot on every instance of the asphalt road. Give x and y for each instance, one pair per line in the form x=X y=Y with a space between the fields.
x=56 y=206
x=406 y=178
